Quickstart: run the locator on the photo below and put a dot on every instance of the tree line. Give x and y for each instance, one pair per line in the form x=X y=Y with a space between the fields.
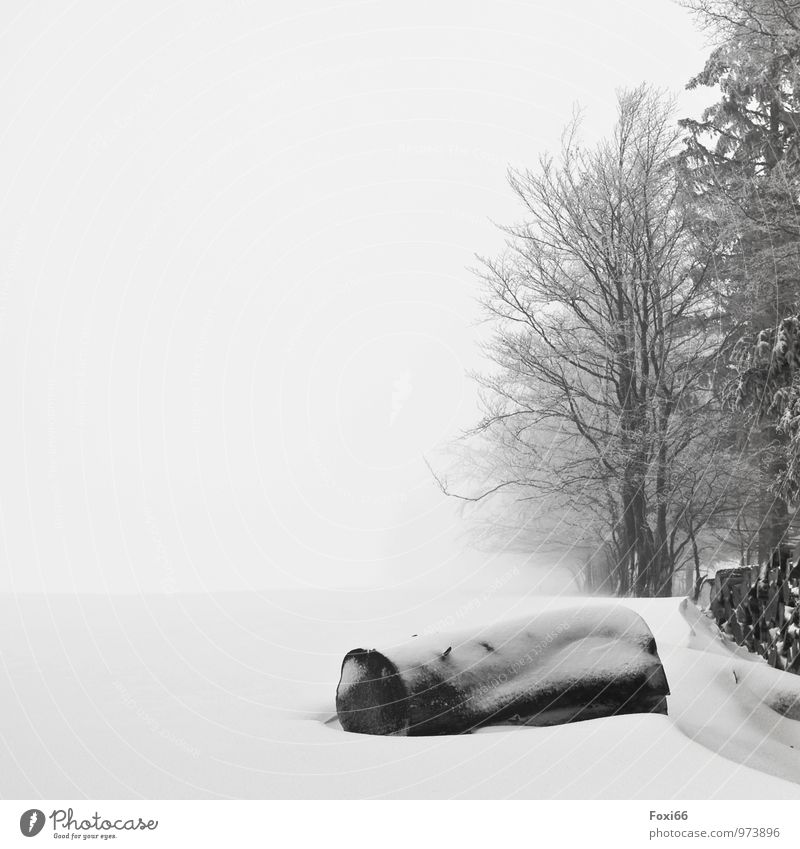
x=643 y=403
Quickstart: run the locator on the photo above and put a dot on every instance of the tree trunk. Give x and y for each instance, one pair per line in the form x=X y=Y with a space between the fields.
x=774 y=510
x=663 y=565
x=559 y=666
x=696 y=556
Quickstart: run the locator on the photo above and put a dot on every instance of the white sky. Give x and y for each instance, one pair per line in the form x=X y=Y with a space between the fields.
x=234 y=304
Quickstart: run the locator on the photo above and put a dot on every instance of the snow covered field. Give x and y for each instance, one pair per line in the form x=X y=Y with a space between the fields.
x=232 y=695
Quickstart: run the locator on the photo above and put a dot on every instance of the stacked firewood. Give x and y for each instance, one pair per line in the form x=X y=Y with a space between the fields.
x=757 y=607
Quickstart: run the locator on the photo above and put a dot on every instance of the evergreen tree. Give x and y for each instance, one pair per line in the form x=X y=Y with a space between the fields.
x=742 y=162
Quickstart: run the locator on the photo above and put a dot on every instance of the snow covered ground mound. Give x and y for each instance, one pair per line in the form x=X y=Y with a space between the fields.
x=232 y=695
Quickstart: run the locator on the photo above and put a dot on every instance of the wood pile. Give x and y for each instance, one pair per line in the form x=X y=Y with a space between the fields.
x=757 y=607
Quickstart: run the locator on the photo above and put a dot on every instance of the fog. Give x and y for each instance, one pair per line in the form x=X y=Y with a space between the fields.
x=235 y=307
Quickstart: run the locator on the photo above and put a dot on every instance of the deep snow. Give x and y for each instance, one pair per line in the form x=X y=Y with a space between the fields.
x=232 y=695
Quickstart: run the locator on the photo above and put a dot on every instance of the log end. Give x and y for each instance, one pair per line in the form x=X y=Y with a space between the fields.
x=371 y=697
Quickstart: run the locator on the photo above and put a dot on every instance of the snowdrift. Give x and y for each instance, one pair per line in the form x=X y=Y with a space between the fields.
x=231 y=695
x=557 y=667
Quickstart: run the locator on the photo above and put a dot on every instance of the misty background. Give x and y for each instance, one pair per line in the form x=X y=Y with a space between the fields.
x=235 y=305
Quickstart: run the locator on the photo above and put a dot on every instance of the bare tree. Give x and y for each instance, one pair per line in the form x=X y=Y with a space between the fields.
x=601 y=404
